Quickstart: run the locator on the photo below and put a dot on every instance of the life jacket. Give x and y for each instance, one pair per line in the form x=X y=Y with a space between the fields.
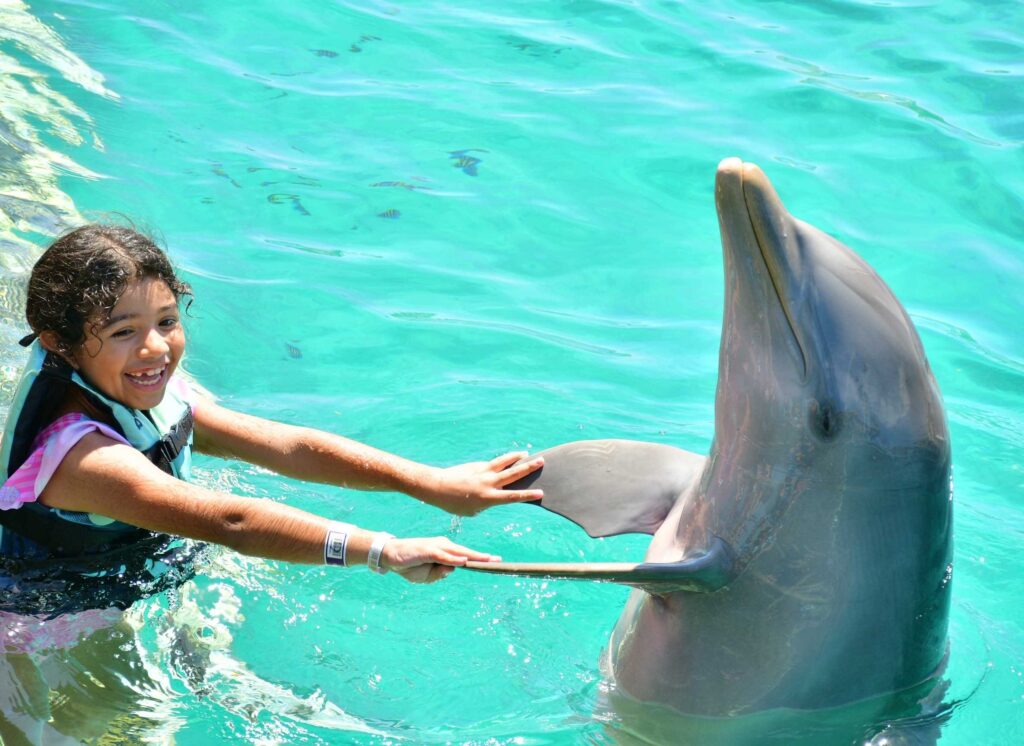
x=163 y=434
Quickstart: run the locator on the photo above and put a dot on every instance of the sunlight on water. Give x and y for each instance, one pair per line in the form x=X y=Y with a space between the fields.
x=31 y=200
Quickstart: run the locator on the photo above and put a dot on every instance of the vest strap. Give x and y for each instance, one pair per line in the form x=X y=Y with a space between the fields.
x=165 y=450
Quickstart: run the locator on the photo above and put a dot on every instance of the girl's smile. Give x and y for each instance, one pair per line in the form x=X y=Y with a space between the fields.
x=131 y=355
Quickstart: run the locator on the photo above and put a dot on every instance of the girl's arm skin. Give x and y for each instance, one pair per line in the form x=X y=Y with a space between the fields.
x=100 y=475
x=317 y=456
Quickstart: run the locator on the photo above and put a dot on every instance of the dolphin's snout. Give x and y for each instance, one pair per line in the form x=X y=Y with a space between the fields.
x=767 y=213
x=753 y=219
x=729 y=202
x=728 y=184
x=762 y=261
x=730 y=166
x=744 y=185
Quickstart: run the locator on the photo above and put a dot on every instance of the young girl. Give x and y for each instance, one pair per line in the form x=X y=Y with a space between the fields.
x=97 y=448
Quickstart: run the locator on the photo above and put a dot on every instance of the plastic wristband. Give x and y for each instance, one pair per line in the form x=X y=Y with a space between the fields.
x=336 y=543
x=376 y=550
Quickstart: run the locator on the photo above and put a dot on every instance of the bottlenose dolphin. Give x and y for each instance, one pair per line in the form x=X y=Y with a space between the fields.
x=806 y=562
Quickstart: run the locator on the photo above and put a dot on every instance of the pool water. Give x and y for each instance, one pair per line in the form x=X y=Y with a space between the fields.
x=451 y=229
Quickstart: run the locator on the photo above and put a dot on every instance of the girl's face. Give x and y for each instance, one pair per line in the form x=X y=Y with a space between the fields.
x=130 y=356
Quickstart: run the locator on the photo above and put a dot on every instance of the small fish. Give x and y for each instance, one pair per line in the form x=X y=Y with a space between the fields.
x=398 y=184
x=324 y=52
x=278 y=199
x=363 y=39
x=391 y=214
x=293 y=352
x=217 y=169
x=300 y=180
x=467 y=163
x=535 y=50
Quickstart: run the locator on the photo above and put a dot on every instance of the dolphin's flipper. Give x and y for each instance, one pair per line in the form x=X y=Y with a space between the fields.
x=705 y=572
x=612 y=487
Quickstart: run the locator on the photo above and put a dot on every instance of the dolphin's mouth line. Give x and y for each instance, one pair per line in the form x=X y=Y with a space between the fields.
x=775 y=282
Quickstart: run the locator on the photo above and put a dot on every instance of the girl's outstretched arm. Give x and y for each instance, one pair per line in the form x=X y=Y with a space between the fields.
x=316 y=456
x=99 y=475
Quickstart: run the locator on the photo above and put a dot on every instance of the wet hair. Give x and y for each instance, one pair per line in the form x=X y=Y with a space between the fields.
x=81 y=276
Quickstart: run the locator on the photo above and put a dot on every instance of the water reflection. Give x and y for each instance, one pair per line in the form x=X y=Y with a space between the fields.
x=131 y=675
x=31 y=200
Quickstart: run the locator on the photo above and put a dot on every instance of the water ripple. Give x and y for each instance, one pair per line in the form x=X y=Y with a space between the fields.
x=31 y=200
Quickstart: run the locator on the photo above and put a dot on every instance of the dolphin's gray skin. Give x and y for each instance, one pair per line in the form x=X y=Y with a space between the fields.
x=828 y=483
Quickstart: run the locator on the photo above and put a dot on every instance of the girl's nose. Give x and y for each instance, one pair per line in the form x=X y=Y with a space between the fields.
x=154 y=344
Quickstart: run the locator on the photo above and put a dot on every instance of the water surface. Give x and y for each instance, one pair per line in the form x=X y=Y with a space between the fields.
x=451 y=229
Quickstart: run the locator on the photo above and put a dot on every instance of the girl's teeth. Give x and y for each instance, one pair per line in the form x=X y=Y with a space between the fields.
x=147 y=377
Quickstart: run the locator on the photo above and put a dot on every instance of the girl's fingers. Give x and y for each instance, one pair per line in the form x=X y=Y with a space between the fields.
x=518 y=471
x=447 y=558
x=418 y=574
x=506 y=460
x=429 y=573
x=519 y=496
x=439 y=552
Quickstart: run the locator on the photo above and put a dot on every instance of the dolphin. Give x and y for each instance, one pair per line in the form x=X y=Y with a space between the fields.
x=806 y=562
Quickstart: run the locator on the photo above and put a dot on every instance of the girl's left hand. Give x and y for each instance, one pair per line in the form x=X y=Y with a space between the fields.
x=428 y=560
x=470 y=488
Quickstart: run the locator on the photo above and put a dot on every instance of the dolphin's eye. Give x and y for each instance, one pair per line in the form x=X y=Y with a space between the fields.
x=824 y=420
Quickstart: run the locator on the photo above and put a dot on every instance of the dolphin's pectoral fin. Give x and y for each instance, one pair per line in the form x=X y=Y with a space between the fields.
x=703 y=573
x=612 y=487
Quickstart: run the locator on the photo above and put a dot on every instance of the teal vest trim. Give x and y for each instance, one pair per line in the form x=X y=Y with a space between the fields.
x=163 y=433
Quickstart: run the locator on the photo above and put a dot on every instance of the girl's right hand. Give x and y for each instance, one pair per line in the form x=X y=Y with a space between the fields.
x=428 y=560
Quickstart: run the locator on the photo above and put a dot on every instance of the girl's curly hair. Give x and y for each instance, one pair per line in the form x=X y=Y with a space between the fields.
x=81 y=276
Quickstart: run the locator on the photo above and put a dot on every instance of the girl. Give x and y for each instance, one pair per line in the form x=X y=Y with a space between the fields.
x=97 y=448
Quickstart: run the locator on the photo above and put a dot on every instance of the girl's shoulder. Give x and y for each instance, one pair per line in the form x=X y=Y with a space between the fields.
x=49 y=448
x=63 y=422
x=72 y=426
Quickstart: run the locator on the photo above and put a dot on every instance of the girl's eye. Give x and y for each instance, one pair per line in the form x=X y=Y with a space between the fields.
x=170 y=322
x=123 y=333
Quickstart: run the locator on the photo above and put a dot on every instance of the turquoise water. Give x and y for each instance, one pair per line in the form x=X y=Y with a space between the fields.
x=452 y=229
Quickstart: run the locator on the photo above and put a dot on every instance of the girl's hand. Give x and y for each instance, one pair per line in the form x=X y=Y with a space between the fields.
x=470 y=488
x=428 y=560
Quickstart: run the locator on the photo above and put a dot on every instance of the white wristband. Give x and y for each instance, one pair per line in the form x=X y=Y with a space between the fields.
x=336 y=543
x=376 y=550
